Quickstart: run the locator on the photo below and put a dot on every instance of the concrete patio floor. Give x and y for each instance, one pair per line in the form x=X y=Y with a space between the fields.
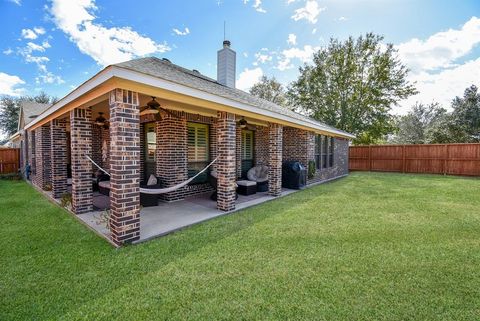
x=167 y=218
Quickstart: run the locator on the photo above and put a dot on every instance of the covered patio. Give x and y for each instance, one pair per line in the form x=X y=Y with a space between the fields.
x=169 y=217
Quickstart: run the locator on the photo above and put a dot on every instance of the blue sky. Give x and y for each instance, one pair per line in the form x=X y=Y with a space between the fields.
x=56 y=45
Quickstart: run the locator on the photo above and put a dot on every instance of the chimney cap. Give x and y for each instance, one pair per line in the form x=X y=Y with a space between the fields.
x=226 y=43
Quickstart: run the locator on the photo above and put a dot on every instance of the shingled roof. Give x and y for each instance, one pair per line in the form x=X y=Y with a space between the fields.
x=30 y=110
x=164 y=69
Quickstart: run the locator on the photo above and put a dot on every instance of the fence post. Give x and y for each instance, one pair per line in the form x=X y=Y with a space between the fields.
x=445 y=161
x=369 y=158
x=403 y=159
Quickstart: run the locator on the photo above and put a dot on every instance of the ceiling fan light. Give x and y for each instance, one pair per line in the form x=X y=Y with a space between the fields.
x=100 y=120
x=243 y=123
x=149 y=111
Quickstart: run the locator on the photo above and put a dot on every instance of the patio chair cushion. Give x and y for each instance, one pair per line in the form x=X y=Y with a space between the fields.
x=104 y=184
x=246 y=183
x=258 y=173
x=152 y=180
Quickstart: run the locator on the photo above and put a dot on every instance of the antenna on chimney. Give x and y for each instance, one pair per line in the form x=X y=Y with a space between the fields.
x=224 y=28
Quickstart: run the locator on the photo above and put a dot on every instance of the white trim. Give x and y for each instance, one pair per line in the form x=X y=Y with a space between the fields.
x=90 y=84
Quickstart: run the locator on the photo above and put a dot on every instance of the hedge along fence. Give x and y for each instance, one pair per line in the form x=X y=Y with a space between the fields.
x=448 y=159
x=9 y=160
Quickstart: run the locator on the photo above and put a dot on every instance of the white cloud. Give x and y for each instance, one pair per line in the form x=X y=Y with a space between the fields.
x=435 y=65
x=8 y=51
x=9 y=84
x=34 y=47
x=310 y=12
x=178 y=32
x=314 y=31
x=105 y=45
x=304 y=55
x=29 y=34
x=263 y=56
x=442 y=87
x=441 y=49
x=292 y=39
x=49 y=78
x=17 y=2
x=257 y=5
x=342 y=19
x=248 y=77
x=39 y=30
x=290 y=1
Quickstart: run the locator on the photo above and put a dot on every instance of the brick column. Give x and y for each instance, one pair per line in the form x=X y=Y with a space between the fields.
x=142 y=152
x=97 y=146
x=124 y=166
x=226 y=161
x=43 y=157
x=171 y=167
x=59 y=157
x=31 y=155
x=238 y=151
x=275 y=137
x=81 y=145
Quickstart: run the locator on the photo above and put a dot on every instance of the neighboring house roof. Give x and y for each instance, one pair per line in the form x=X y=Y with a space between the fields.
x=164 y=69
x=29 y=110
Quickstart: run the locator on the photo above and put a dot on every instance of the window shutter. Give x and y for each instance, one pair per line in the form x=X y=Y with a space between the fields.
x=197 y=142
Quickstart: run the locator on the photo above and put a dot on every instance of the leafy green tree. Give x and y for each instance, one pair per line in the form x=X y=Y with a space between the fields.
x=10 y=108
x=415 y=127
x=466 y=115
x=270 y=89
x=352 y=85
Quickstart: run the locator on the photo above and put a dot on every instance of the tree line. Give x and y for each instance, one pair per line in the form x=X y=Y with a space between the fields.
x=354 y=84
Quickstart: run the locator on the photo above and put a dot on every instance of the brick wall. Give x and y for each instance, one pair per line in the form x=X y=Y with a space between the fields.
x=275 y=140
x=59 y=157
x=261 y=145
x=31 y=156
x=296 y=145
x=340 y=163
x=43 y=157
x=238 y=151
x=171 y=154
x=81 y=145
x=96 y=146
x=226 y=147
x=124 y=167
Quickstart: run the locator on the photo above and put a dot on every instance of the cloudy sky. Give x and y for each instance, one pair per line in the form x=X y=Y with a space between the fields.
x=56 y=45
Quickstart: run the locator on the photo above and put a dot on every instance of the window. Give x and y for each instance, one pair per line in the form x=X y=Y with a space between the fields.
x=151 y=141
x=330 y=162
x=318 y=151
x=247 y=151
x=198 y=153
x=323 y=151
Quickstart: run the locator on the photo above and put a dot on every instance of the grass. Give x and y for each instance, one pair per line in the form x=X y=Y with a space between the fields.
x=367 y=247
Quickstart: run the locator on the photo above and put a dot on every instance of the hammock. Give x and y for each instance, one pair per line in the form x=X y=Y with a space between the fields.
x=160 y=190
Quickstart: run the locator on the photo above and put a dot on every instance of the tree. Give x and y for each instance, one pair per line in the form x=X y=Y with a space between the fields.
x=352 y=85
x=269 y=89
x=415 y=127
x=466 y=115
x=10 y=109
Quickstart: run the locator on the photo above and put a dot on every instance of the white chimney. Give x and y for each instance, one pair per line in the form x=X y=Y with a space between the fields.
x=226 y=65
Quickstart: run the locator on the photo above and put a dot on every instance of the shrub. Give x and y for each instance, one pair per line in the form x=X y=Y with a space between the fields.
x=11 y=176
x=311 y=169
x=66 y=200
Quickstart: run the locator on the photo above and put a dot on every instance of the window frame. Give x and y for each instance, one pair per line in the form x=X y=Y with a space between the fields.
x=147 y=127
x=243 y=146
x=192 y=164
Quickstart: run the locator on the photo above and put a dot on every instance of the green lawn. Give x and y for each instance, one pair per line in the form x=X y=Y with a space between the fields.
x=370 y=246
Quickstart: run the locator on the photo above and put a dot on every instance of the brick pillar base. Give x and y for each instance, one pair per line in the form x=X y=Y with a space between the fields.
x=59 y=157
x=81 y=145
x=275 y=136
x=43 y=157
x=124 y=166
x=226 y=161
x=171 y=154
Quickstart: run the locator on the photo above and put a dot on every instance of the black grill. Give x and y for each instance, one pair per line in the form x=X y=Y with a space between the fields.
x=294 y=175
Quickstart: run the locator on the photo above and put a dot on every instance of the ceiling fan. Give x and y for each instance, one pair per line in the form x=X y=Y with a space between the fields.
x=101 y=121
x=153 y=108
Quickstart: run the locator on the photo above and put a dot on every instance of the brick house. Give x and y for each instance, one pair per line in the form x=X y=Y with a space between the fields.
x=199 y=119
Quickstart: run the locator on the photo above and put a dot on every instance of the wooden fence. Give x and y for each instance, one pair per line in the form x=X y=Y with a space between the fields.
x=451 y=159
x=9 y=160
